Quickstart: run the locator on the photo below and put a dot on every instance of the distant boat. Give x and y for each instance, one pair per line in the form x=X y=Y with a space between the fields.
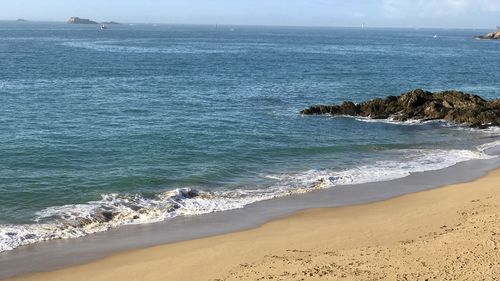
x=104 y=27
x=435 y=36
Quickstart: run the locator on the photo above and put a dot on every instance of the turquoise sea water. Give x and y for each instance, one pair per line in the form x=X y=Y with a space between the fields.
x=141 y=123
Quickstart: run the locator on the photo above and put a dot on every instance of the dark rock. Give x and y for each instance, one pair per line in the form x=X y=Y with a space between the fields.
x=414 y=98
x=105 y=216
x=453 y=106
x=188 y=193
x=375 y=109
x=28 y=236
x=434 y=111
x=85 y=221
x=349 y=108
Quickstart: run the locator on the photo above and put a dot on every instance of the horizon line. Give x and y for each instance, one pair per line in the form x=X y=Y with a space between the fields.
x=360 y=26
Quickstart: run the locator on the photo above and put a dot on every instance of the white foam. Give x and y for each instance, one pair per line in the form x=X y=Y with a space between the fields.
x=391 y=120
x=415 y=160
x=492 y=130
x=489 y=145
x=114 y=210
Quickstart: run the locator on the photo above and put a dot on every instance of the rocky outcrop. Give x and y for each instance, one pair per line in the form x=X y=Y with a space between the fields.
x=453 y=106
x=490 y=36
x=77 y=20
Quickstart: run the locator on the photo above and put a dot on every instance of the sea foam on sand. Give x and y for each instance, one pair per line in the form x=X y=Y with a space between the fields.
x=114 y=210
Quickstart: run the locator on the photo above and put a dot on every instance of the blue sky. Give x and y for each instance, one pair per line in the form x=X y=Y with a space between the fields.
x=395 y=13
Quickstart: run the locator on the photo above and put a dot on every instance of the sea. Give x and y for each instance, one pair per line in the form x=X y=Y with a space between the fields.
x=143 y=123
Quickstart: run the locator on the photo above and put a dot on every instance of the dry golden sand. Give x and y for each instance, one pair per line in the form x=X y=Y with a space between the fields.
x=449 y=233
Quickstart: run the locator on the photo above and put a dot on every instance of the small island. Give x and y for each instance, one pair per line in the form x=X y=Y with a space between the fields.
x=77 y=20
x=490 y=36
x=21 y=20
x=453 y=106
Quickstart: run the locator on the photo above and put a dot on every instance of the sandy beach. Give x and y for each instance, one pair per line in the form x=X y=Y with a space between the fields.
x=448 y=233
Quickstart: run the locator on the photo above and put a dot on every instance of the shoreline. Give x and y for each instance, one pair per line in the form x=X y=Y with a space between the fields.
x=385 y=239
x=60 y=254
x=191 y=158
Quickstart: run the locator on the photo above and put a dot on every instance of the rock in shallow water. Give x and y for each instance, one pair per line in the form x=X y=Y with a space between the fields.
x=453 y=106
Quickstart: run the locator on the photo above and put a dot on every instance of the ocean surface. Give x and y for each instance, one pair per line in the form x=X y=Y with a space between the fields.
x=142 y=123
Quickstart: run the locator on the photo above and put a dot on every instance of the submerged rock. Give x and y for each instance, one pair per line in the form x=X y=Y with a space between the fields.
x=453 y=106
x=105 y=216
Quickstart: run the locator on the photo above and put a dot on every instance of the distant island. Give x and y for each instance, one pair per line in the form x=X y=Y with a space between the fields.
x=490 y=36
x=77 y=20
x=21 y=20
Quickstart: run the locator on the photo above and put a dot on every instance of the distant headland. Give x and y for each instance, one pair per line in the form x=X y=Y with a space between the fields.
x=490 y=36
x=77 y=20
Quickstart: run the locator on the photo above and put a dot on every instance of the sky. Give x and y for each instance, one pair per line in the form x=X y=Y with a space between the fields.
x=375 y=13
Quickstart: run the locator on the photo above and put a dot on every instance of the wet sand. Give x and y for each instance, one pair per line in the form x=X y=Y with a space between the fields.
x=451 y=232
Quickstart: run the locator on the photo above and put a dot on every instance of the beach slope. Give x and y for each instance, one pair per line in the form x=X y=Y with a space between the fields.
x=449 y=233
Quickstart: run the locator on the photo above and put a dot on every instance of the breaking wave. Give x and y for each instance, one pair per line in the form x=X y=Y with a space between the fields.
x=114 y=210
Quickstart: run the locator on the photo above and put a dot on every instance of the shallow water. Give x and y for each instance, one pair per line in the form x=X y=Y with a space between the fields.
x=139 y=124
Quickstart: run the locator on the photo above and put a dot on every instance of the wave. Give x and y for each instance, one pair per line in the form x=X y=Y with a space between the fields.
x=391 y=120
x=209 y=47
x=493 y=130
x=114 y=210
x=490 y=131
x=415 y=160
x=490 y=145
x=175 y=49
